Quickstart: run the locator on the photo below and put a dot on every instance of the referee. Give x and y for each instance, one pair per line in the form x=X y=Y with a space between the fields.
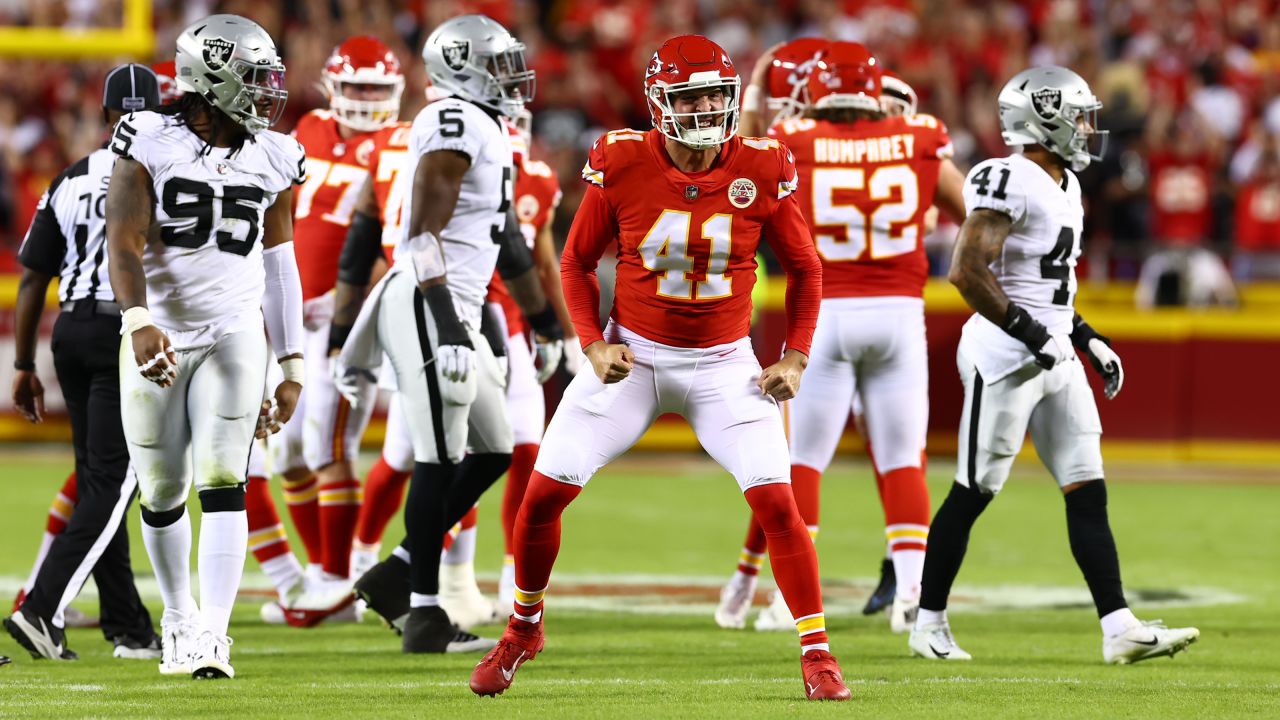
x=67 y=239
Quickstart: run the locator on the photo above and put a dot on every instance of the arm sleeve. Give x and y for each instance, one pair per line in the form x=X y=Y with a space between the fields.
x=793 y=245
x=594 y=227
x=282 y=300
x=43 y=249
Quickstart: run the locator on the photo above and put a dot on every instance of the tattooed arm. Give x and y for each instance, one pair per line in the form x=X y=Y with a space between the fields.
x=980 y=242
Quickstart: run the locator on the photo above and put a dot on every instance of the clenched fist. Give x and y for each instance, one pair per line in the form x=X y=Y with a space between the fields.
x=781 y=380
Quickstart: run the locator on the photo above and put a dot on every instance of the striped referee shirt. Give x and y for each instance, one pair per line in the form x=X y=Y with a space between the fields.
x=68 y=236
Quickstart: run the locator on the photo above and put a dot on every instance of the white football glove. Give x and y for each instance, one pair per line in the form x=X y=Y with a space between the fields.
x=351 y=383
x=574 y=358
x=548 y=354
x=1107 y=363
x=1057 y=349
x=456 y=362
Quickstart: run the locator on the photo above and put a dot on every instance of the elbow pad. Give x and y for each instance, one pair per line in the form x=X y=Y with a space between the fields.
x=361 y=250
x=514 y=256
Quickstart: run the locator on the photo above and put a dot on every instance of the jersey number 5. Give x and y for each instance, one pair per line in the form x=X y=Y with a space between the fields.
x=665 y=249
x=183 y=199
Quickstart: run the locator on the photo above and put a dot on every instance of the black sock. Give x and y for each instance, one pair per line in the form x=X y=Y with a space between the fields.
x=948 y=540
x=1093 y=545
x=475 y=474
x=424 y=520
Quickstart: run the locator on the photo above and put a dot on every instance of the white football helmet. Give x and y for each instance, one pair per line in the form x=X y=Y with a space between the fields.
x=232 y=63
x=476 y=59
x=1053 y=107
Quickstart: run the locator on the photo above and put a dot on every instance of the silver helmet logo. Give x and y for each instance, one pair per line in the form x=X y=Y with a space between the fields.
x=217 y=52
x=456 y=54
x=1047 y=102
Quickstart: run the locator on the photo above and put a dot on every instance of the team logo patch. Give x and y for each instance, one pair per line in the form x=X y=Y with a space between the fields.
x=217 y=52
x=222 y=168
x=1047 y=102
x=742 y=192
x=456 y=54
x=364 y=152
x=527 y=208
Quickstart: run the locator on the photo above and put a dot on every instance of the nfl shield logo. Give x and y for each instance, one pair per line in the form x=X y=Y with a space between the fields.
x=690 y=192
x=456 y=54
x=217 y=52
x=1047 y=102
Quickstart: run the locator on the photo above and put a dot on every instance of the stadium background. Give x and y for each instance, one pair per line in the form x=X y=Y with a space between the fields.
x=1184 y=210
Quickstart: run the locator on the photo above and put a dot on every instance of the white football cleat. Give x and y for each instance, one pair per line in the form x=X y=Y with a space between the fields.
x=776 y=617
x=935 y=642
x=462 y=599
x=322 y=600
x=735 y=601
x=902 y=615
x=212 y=657
x=177 y=646
x=1147 y=640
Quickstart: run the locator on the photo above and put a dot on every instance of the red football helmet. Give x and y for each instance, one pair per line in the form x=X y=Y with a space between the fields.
x=363 y=60
x=896 y=96
x=692 y=62
x=846 y=76
x=788 y=76
x=166 y=74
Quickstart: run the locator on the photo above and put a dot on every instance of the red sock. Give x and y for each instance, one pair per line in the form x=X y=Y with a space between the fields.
x=301 y=497
x=793 y=559
x=383 y=495
x=63 y=505
x=754 y=548
x=906 y=508
x=537 y=541
x=806 y=485
x=467 y=522
x=339 y=511
x=522 y=459
x=267 y=538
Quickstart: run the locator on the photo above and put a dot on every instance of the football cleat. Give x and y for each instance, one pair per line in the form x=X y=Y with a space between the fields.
x=776 y=617
x=272 y=613
x=1147 y=640
x=177 y=645
x=38 y=637
x=902 y=615
x=385 y=590
x=73 y=618
x=429 y=630
x=212 y=657
x=735 y=601
x=884 y=592
x=521 y=643
x=462 y=599
x=935 y=642
x=363 y=558
x=320 y=601
x=822 y=677
x=128 y=648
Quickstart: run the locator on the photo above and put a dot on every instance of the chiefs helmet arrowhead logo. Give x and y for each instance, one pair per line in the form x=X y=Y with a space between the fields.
x=217 y=52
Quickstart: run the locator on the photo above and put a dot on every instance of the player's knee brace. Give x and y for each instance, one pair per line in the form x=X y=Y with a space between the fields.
x=222 y=499
x=162 y=518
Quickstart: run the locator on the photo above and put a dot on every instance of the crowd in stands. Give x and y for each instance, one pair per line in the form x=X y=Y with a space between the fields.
x=1191 y=91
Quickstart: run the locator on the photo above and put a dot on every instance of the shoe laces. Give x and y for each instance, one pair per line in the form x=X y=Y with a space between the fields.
x=821 y=666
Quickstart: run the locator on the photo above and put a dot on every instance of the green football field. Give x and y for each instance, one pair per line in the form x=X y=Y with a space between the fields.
x=629 y=613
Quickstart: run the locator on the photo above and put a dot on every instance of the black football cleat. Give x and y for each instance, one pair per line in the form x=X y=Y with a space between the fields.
x=883 y=595
x=385 y=590
x=39 y=637
x=429 y=630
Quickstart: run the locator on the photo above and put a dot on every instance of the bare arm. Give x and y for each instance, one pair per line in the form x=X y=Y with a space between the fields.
x=436 y=183
x=128 y=220
x=949 y=197
x=980 y=242
x=28 y=392
x=754 y=121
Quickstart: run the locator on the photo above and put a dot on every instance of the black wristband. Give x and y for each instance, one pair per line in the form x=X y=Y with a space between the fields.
x=338 y=336
x=546 y=324
x=449 y=329
x=1082 y=333
x=1019 y=324
x=24 y=365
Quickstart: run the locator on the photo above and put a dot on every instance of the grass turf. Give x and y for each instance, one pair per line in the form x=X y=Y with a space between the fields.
x=1211 y=528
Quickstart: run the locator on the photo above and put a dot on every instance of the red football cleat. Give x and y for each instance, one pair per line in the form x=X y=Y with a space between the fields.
x=519 y=644
x=822 y=678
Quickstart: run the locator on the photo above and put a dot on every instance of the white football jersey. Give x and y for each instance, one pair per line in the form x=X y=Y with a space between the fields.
x=203 y=258
x=1037 y=268
x=470 y=253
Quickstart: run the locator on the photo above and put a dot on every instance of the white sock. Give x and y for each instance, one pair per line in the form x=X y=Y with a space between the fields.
x=463 y=550
x=285 y=572
x=930 y=617
x=402 y=553
x=224 y=539
x=420 y=600
x=169 y=549
x=908 y=567
x=507 y=582
x=888 y=552
x=45 y=542
x=1117 y=622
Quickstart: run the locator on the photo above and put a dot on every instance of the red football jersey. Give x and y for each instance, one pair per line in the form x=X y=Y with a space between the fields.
x=324 y=205
x=537 y=194
x=1258 y=216
x=1181 y=200
x=391 y=159
x=687 y=242
x=865 y=188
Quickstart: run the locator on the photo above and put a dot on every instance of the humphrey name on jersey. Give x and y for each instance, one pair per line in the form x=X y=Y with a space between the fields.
x=841 y=151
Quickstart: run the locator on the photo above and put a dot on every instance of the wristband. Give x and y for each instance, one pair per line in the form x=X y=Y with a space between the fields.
x=1019 y=324
x=338 y=335
x=1082 y=333
x=136 y=318
x=751 y=99
x=293 y=368
x=546 y=324
x=426 y=255
x=24 y=365
x=449 y=328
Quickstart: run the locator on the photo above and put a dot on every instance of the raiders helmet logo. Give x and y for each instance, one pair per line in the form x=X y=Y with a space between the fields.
x=456 y=54
x=742 y=192
x=217 y=52
x=1047 y=102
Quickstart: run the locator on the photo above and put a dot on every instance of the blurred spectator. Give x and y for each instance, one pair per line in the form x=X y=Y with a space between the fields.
x=1257 y=253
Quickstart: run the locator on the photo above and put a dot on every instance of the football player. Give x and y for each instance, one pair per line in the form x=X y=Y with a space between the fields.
x=457 y=232
x=1014 y=263
x=687 y=203
x=201 y=254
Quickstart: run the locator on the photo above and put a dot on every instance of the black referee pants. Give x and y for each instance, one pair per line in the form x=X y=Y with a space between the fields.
x=86 y=350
